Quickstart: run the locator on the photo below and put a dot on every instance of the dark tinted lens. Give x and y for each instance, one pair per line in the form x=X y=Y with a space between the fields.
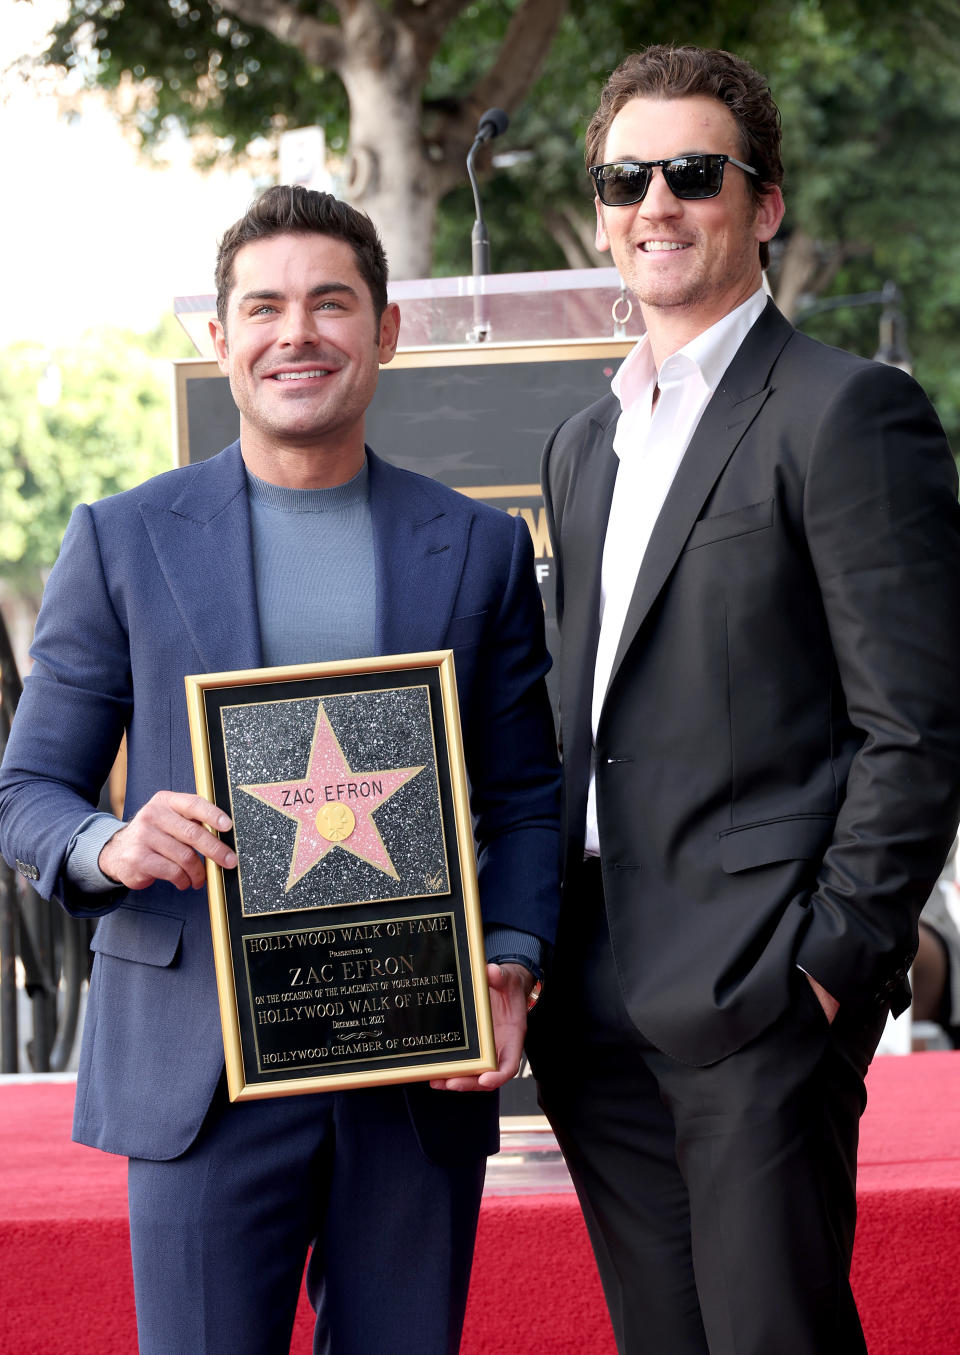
x=619 y=185
x=695 y=176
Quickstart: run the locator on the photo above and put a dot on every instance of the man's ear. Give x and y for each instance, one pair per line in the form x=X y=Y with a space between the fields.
x=602 y=241
x=219 y=336
x=770 y=210
x=389 y=335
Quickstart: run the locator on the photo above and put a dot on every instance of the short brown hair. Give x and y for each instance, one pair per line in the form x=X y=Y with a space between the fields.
x=291 y=209
x=665 y=72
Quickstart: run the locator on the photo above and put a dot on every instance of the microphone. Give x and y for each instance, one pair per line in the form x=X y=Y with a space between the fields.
x=493 y=123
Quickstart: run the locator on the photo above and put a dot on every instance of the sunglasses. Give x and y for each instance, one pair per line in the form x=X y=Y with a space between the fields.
x=690 y=177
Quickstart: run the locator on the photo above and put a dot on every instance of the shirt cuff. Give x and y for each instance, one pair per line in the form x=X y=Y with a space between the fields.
x=506 y=945
x=84 y=848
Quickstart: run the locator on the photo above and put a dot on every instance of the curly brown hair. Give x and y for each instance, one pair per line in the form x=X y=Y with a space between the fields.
x=666 y=72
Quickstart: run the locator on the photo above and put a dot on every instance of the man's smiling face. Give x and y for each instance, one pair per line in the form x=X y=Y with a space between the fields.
x=699 y=256
x=301 y=345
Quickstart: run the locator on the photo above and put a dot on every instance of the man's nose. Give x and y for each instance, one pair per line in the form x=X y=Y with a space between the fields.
x=299 y=326
x=658 y=200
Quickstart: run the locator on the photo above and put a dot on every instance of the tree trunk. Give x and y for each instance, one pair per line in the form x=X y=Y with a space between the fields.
x=808 y=267
x=575 y=234
x=381 y=50
x=798 y=267
x=389 y=177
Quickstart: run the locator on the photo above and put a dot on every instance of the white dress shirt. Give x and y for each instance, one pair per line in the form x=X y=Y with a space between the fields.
x=650 y=441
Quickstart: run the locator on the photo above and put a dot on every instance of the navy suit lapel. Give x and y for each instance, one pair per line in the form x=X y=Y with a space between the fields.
x=202 y=542
x=420 y=547
x=737 y=401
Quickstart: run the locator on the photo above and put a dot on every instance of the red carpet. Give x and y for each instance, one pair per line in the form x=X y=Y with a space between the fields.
x=65 y=1270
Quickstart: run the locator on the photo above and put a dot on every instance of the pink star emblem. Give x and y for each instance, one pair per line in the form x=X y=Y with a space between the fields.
x=332 y=805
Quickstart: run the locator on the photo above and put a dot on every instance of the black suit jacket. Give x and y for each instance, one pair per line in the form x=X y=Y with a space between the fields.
x=778 y=754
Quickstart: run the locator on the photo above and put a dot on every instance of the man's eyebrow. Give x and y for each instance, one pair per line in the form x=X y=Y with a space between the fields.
x=326 y=288
x=638 y=160
x=321 y=289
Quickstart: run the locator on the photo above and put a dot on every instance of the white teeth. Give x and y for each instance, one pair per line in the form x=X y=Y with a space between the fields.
x=300 y=376
x=657 y=245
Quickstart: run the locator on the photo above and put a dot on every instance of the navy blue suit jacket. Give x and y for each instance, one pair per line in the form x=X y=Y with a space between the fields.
x=158 y=582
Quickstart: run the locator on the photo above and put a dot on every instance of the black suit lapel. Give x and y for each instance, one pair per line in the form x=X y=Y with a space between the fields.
x=581 y=506
x=583 y=526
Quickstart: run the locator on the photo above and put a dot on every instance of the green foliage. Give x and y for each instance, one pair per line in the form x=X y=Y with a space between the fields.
x=872 y=148
x=75 y=425
x=867 y=88
x=198 y=67
x=871 y=121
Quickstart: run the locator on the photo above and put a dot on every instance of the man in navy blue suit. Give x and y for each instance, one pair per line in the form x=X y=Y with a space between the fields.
x=296 y=544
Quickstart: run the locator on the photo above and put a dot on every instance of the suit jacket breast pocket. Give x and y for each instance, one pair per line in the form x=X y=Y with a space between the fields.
x=753 y=517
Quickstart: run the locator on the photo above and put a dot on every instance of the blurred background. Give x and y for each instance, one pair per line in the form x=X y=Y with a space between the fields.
x=135 y=130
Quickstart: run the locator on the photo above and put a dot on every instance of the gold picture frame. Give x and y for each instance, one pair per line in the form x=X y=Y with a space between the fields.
x=348 y=941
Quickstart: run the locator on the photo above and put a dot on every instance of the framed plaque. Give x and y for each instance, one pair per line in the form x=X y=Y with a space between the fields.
x=347 y=941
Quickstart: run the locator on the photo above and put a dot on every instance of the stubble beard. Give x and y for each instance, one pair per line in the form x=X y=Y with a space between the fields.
x=698 y=290
x=671 y=294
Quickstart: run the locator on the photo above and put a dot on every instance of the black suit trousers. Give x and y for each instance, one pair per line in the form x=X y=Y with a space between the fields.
x=720 y=1200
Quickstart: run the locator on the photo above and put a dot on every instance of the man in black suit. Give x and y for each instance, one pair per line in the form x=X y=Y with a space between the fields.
x=758 y=547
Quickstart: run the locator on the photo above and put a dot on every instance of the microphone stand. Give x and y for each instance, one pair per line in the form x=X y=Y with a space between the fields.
x=491 y=124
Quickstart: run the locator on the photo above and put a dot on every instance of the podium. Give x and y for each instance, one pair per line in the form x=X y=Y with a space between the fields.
x=561 y=304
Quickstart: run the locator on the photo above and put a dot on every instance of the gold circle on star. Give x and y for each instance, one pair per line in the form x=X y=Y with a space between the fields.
x=335 y=821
